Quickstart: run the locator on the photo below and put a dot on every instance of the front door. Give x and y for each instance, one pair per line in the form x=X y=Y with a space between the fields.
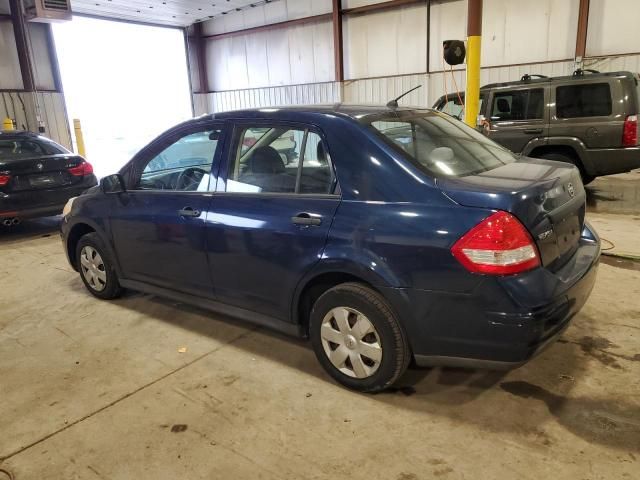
x=158 y=225
x=269 y=219
x=517 y=117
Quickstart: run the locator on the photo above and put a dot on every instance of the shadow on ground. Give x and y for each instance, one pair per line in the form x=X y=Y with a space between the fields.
x=30 y=229
x=521 y=401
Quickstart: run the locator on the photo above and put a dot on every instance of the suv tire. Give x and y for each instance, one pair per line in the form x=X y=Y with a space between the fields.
x=96 y=267
x=561 y=157
x=357 y=338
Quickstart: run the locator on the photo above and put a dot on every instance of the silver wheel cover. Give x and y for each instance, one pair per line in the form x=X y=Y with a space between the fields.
x=93 y=269
x=351 y=342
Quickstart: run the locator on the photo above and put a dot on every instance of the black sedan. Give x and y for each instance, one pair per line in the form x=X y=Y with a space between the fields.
x=38 y=176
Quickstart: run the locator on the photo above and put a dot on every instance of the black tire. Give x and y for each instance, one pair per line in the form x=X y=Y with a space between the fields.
x=395 y=350
x=112 y=288
x=561 y=157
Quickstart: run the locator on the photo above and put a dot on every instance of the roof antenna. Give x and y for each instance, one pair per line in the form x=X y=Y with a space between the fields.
x=394 y=103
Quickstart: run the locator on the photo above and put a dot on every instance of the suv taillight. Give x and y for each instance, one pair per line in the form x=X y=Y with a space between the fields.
x=630 y=131
x=4 y=179
x=82 y=169
x=499 y=245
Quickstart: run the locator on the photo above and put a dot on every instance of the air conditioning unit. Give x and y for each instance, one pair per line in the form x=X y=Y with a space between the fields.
x=47 y=11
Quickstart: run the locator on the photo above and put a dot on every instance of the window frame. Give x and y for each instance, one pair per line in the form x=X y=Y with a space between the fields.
x=233 y=155
x=528 y=89
x=157 y=146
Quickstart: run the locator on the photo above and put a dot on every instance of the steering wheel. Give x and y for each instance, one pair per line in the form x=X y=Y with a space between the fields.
x=190 y=178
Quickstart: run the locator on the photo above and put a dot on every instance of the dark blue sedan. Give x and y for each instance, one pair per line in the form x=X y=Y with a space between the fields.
x=385 y=235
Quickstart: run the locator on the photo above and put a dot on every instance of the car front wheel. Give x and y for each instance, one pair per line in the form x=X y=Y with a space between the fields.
x=357 y=338
x=96 y=268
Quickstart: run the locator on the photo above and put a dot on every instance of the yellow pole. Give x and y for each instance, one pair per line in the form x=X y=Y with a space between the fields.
x=7 y=124
x=79 y=138
x=474 y=40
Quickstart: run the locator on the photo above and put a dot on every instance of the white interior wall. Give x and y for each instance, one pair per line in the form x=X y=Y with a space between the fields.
x=613 y=27
x=385 y=52
x=288 y=56
x=10 y=77
x=43 y=72
x=267 y=14
x=390 y=42
x=522 y=31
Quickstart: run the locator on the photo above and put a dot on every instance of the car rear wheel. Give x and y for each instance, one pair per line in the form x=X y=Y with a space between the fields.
x=357 y=338
x=561 y=157
x=96 y=268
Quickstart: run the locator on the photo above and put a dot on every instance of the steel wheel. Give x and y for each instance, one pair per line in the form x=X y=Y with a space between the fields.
x=93 y=269
x=351 y=342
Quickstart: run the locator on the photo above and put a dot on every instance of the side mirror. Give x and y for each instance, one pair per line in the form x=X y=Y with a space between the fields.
x=113 y=184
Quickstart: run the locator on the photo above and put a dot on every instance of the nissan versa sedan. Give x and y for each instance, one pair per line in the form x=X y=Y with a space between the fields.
x=398 y=235
x=38 y=176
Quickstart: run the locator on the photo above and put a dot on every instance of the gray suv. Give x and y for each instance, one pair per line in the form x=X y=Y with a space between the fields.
x=589 y=119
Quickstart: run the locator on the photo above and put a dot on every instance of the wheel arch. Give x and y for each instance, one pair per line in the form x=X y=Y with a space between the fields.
x=324 y=277
x=570 y=146
x=80 y=228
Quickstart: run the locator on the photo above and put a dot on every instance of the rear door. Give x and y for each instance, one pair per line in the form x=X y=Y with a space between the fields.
x=586 y=110
x=158 y=225
x=518 y=115
x=270 y=216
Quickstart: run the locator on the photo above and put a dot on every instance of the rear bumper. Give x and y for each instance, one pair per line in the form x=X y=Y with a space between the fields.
x=41 y=203
x=503 y=323
x=608 y=161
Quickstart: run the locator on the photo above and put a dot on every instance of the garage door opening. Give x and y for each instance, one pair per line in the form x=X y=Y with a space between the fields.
x=126 y=82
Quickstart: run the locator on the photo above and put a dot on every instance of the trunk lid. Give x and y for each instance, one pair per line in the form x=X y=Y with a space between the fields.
x=547 y=197
x=40 y=172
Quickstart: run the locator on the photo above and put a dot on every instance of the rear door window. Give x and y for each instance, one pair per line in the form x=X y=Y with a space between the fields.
x=280 y=160
x=518 y=105
x=587 y=100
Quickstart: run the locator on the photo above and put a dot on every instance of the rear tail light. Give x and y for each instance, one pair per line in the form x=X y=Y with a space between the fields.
x=4 y=179
x=630 y=131
x=499 y=245
x=82 y=169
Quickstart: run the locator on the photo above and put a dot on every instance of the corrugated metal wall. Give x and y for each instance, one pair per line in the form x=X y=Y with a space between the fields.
x=52 y=112
x=312 y=93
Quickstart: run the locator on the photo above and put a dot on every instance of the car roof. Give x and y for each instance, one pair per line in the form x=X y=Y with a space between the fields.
x=17 y=134
x=536 y=81
x=342 y=109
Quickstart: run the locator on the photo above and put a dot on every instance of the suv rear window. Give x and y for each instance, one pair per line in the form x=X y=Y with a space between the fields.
x=589 y=100
x=442 y=146
x=518 y=105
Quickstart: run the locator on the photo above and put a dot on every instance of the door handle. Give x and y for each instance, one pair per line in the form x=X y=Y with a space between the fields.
x=189 y=212
x=305 y=218
x=533 y=131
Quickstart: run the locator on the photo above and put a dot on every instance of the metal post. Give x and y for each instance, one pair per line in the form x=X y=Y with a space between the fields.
x=7 y=124
x=337 y=40
x=583 y=24
x=22 y=45
x=79 y=138
x=474 y=36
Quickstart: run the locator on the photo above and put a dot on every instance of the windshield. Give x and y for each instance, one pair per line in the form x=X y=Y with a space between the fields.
x=443 y=146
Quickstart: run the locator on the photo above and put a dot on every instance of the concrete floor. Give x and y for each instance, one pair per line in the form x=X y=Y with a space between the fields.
x=101 y=390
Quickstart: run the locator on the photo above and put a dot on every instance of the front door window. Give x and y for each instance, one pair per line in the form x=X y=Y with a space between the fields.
x=185 y=165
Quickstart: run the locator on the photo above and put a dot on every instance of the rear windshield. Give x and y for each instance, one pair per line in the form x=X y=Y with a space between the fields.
x=28 y=147
x=586 y=100
x=441 y=145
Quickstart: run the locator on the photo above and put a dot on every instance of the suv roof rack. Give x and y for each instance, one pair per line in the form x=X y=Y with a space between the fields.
x=526 y=77
x=580 y=72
